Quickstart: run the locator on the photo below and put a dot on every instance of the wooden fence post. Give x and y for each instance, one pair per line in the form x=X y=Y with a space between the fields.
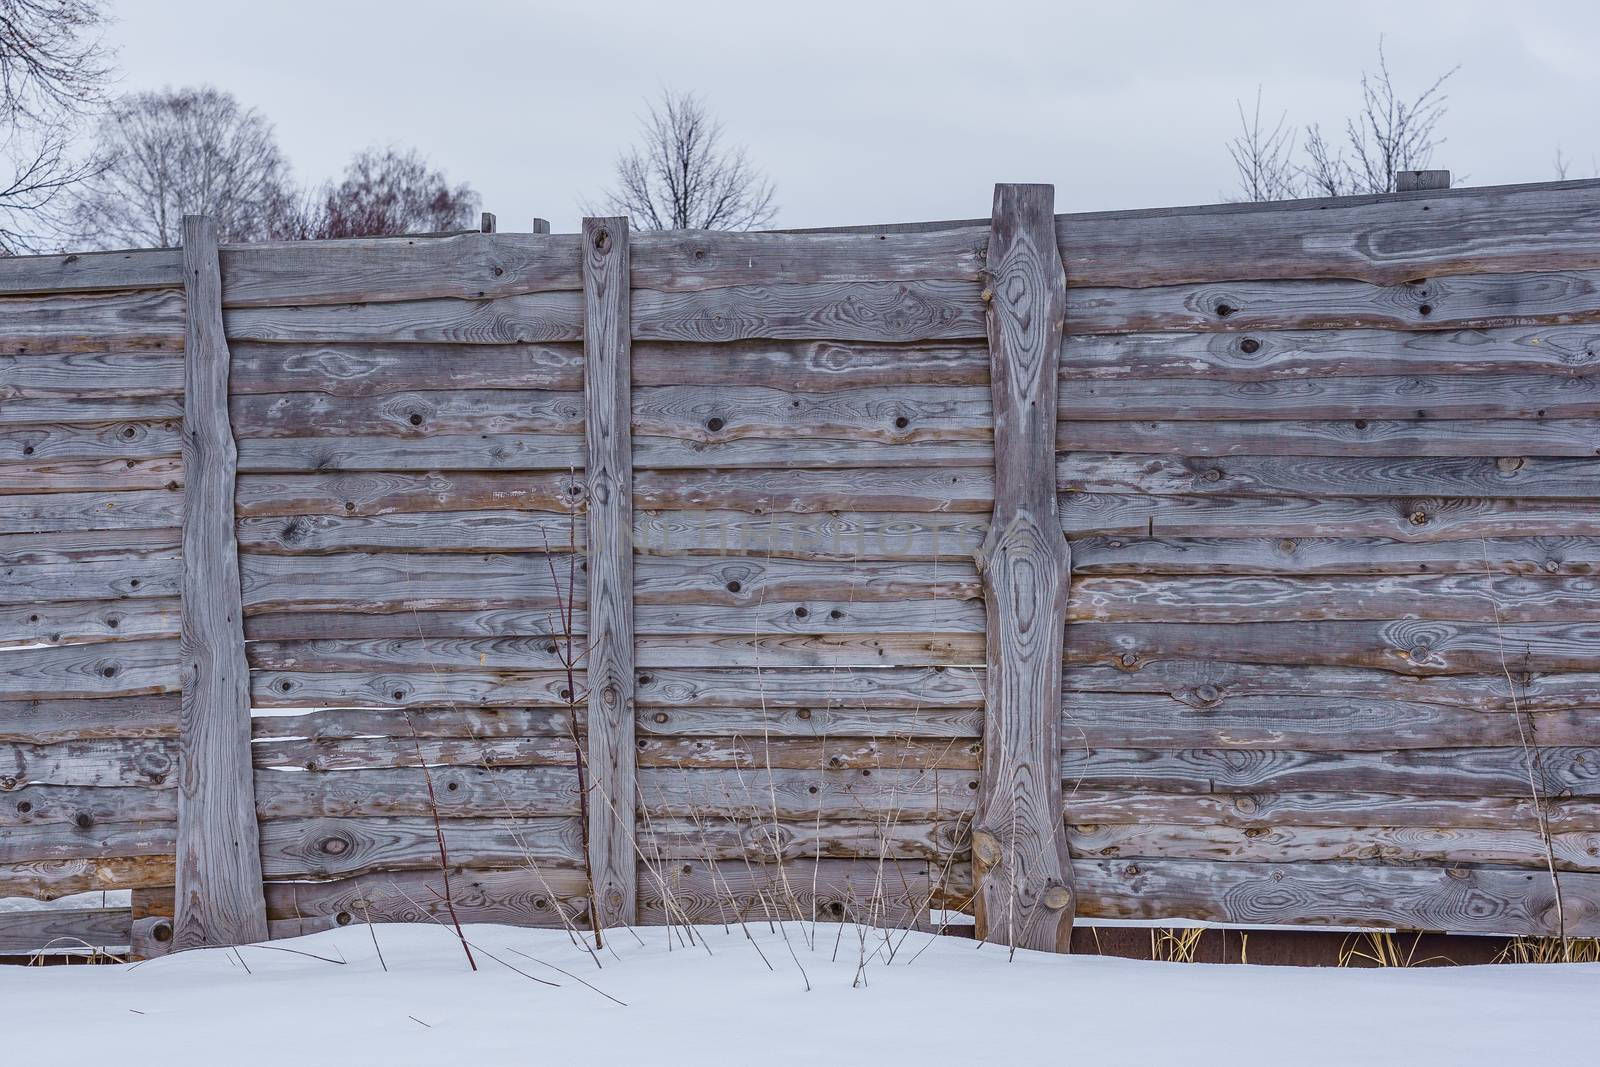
x=1411 y=181
x=608 y=391
x=1024 y=896
x=219 y=891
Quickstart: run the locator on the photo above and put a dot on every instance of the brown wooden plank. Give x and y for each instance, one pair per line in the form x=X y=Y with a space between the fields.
x=219 y=869
x=365 y=369
x=49 y=879
x=407 y=414
x=333 y=848
x=1548 y=555
x=50 y=720
x=533 y=318
x=123 y=321
x=1346 y=437
x=608 y=390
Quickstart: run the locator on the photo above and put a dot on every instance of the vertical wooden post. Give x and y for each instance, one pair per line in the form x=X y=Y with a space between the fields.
x=608 y=390
x=219 y=892
x=487 y=223
x=540 y=226
x=1411 y=181
x=1019 y=849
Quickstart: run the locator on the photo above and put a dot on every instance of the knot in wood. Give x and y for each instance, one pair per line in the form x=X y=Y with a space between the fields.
x=1057 y=897
x=1509 y=464
x=985 y=848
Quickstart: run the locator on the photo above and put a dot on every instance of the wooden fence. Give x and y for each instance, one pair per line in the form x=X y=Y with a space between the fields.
x=1326 y=471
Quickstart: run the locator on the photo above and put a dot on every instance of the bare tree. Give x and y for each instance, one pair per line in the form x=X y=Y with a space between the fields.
x=384 y=193
x=53 y=67
x=684 y=177
x=1391 y=133
x=178 y=152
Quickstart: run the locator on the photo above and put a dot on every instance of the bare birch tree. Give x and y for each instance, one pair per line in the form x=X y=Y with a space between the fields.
x=683 y=176
x=180 y=152
x=385 y=192
x=1391 y=133
x=53 y=68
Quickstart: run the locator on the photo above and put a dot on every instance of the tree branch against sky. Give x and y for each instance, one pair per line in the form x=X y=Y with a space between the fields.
x=683 y=176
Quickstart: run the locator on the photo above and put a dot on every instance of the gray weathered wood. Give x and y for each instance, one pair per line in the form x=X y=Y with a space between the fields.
x=841 y=535
x=124 y=321
x=92 y=374
x=138 y=268
x=1549 y=555
x=365 y=369
x=332 y=848
x=608 y=388
x=49 y=879
x=219 y=898
x=939 y=489
x=1252 y=810
x=58 y=930
x=50 y=720
x=436 y=452
x=1024 y=876
x=551 y=896
x=740 y=687
x=810 y=366
x=530 y=318
x=362 y=493
x=487 y=223
x=42 y=805
x=1499 y=438
x=106 y=762
x=1416 y=181
x=413 y=414
x=443 y=531
x=459 y=791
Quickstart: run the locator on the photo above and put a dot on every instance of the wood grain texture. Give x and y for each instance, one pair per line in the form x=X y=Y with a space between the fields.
x=77 y=442
x=1336 y=437
x=139 y=268
x=1023 y=873
x=839 y=536
x=506 y=792
x=1265 y=809
x=335 y=848
x=46 y=721
x=59 y=930
x=49 y=879
x=407 y=414
x=88 y=375
x=489 y=530
x=535 y=318
x=810 y=366
x=547 y=896
x=90 y=621
x=608 y=391
x=362 y=369
x=127 y=320
x=219 y=865
x=1554 y=554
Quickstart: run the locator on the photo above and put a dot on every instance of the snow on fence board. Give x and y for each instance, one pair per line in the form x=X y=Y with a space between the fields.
x=1325 y=470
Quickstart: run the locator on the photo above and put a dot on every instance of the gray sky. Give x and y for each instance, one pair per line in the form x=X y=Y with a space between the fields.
x=867 y=112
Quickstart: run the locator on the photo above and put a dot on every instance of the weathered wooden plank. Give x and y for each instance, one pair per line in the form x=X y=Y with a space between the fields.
x=1458 y=899
x=407 y=414
x=810 y=366
x=842 y=536
x=891 y=414
x=49 y=879
x=143 y=509
x=436 y=452
x=467 y=266
x=498 y=623
x=52 y=409
x=364 y=369
x=1440 y=396
x=740 y=688
x=1565 y=478
x=84 y=807
x=693 y=260
x=1412 y=181
x=88 y=546
x=608 y=391
x=1407 y=647
x=383 y=493
x=455 y=531
x=26 y=844
x=1401 y=519
x=1023 y=874
x=47 y=720
x=56 y=930
x=1578 y=851
x=88 y=375
x=137 y=268
x=88 y=621
x=123 y=668
x=768 y=650
x=738 y=842
x=889 y=893
x=123 y=321
x=893 y=311
x=1307 y=723
x=839 y=794
x=61 y=476
x=533 y=318
x=850 y=721
x=733 y=582
x=361 y=753
x=390 y=582
x=946 y=489
x=415 y=688
x=451 y=722
x=1349 y=437
x=654 y=453
x=459 y=792
x=1260 y=810
x=333 y=848
x=545 y=896
x=74 y=442
x=106 y=762
x=139 y=577
x=1573 y=771
x=1551 y=555
x=923 y=614
x=1567 y=351
x=441 y=654
x=219 y=868
x=1240 y=598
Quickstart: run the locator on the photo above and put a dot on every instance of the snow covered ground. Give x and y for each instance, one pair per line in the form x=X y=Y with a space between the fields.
x=941 y=1000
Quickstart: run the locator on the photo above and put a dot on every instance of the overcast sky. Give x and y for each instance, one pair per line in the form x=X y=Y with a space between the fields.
x=867 y=112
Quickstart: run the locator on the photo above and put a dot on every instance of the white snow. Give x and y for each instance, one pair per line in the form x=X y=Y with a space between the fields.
x=953 y=1003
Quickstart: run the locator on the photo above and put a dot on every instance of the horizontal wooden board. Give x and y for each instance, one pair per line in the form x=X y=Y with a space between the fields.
x=1497 y=438
x=74 y=512
x=926 y=616
x=137 y=268
x=87 y=621
x=734 y=582
x=87 y=443
x=1564 y=478
x=120 y=579
x=124 y=668
x=1573 y=771
x=126 y=320
x=37 y=805
x=402 y=726
x=1453 y=899
x=60 y=842
x=49 y=879
x=116 y=762
x=810 y=366
x=57 y=930
x=112 y=475
x=85 y=375
x=691 y=260
x=383 y=582
x=891 y=414
x=755 y=722
x=384 y=494
x=50 y=410
x=1406 y=647
x=1365 y=844
x=441 y=654
x=510 y=623
x=406 y=414
x=743 y=688
x=1418 y=518
x=768 y=650
x=657 y=453
x=416 y=687
x=452 y=531
x=533 y=318
x=840 y=536
x=946 y=489
x=872 y=794
x=1554 y=554
x=1507 y=598
x=810 y=753
x=1267 y=354
x=333 y=848
x=436 y=452
x=46 y=721
x=538 y=895
x=360 y=753
x=740 y=841
x=366 y=369
x=458 y=792
x=879 y=311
